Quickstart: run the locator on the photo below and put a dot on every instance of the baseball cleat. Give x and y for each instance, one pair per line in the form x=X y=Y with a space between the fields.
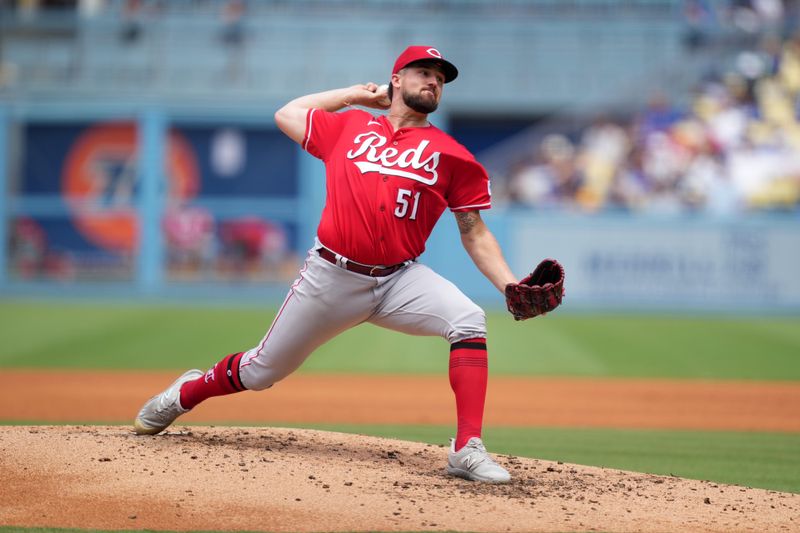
x=162 y=409
x=474 y=463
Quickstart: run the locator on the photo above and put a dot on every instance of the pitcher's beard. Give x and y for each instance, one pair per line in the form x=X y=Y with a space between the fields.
x=419 y=103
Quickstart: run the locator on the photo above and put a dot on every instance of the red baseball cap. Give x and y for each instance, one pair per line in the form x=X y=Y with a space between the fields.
x=426 y=53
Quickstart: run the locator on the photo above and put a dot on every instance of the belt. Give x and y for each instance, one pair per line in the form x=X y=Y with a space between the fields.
x=367 y=270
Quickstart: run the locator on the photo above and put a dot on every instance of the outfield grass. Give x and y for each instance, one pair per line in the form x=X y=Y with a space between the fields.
x=69 y=335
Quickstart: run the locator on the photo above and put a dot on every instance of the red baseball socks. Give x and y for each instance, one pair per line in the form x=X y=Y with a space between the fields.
x=221 y=379
x=469 y=371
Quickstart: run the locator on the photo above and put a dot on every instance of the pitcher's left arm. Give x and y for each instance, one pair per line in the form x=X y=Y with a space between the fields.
x=484 y=250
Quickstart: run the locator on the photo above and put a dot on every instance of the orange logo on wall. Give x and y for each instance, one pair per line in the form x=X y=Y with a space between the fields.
x=100 y=182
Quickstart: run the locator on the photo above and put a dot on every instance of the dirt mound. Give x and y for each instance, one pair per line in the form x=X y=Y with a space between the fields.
x=270 y=479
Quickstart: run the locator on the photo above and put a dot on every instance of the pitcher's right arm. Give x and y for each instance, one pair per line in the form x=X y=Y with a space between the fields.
x=291 y=118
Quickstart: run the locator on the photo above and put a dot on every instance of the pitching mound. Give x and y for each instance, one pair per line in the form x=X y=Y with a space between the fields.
x=270 y=479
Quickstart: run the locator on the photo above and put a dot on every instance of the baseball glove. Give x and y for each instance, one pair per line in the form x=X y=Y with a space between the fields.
x=538 y=293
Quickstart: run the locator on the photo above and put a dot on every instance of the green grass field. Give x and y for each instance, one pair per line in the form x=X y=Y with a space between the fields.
x=83 y=335
x=86 y=335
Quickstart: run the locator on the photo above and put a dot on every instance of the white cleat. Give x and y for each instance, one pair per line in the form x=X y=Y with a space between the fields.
x=474 y=463
x=162 y=409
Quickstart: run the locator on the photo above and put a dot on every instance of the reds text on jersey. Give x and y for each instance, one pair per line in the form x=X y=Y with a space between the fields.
x=386 y=189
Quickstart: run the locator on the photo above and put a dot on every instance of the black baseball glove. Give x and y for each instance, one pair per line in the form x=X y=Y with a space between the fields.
x=538 y=293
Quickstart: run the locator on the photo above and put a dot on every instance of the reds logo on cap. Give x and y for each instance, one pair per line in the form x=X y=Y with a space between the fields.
x=425 y=53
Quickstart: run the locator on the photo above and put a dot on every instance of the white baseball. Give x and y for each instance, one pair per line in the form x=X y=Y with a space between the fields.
x=384 y=90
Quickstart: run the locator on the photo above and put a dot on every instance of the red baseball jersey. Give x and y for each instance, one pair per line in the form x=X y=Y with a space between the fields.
x=386 y=189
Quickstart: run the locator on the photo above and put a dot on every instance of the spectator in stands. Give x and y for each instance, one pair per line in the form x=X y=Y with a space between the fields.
x=254 y=247
x=233 y=23
x=233 y=37
x=550 y=178
x=131 y=30
x=189 y=235
x=658 y=115
x=631 y=187
x=28 y=248
x=604 y=147
x=700 y=19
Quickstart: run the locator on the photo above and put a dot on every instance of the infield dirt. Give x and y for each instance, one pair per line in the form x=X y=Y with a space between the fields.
x=274 y=479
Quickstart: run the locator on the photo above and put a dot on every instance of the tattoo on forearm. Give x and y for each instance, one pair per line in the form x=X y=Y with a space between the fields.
x=467 y=221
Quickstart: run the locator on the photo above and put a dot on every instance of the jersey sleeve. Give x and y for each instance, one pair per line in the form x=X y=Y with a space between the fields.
x=323 y=129
x=469 y=187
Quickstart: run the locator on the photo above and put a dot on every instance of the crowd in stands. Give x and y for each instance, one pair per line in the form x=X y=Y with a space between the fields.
x=735 y=147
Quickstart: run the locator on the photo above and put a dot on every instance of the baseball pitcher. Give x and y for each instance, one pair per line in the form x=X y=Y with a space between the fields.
x=389 y=178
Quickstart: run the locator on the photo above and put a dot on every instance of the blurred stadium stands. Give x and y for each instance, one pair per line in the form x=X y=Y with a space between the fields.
x=533 y=53
x=137 y=146
x=733 y=146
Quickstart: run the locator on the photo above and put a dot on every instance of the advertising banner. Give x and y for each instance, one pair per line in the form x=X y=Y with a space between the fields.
x=84 y=181
x=630 y=262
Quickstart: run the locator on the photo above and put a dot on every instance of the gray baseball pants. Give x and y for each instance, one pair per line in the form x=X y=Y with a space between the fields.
x=326 y=300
